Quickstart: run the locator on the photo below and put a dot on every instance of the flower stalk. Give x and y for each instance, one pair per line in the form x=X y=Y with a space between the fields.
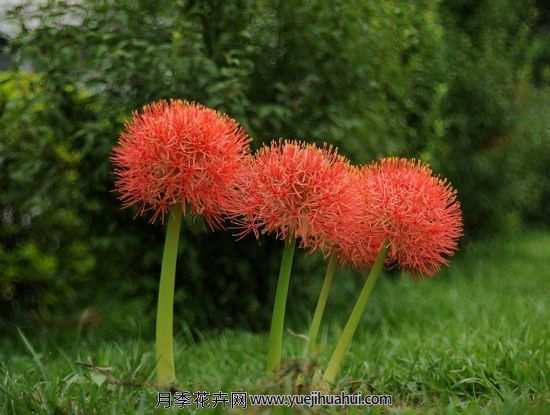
x=311 y=348
x=344 y=341
x=278 y=319
x=166 y=371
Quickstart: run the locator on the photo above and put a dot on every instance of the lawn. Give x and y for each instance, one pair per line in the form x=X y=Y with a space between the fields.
x=475 y=340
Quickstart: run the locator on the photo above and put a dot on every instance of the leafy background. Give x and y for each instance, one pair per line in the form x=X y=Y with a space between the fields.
x=460 y=84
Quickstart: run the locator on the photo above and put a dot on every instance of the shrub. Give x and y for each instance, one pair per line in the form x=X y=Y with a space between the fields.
x=488 y=58
x=436 y=80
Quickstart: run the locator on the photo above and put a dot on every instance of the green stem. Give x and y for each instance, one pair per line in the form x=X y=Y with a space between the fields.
x=278 y=319
x=320 y=308
x=166 y=371
x=344 y=342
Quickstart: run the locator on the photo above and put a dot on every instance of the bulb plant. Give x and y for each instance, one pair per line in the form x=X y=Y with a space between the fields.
x=410 y=218
x=283 y=193
x=175 y=158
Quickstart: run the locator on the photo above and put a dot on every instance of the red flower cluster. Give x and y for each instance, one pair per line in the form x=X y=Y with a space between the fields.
x=179 y=153
x=298 y=190
x=416 y=213
x=176 y=153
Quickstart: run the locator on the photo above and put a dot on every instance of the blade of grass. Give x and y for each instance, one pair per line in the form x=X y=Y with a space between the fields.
x=7 y=393
x=33 y=353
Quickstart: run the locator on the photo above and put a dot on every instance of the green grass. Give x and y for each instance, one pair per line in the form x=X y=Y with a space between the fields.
x=475 y=340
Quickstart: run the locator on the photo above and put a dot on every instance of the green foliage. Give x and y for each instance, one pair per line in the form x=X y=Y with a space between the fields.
x=530 y=157
x=43 y=237
x=442 y=81
x=488 y=57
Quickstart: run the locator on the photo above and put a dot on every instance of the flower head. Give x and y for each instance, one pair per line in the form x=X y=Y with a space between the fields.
x=297 y=190
x=179 y=153
x=416 y=213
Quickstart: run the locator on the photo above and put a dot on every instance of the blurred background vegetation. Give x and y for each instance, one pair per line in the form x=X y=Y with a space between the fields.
x=461 y=84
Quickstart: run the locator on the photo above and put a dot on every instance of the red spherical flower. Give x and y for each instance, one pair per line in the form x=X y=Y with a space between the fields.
x=179 y=153
x=297 y=190
x=416 y=213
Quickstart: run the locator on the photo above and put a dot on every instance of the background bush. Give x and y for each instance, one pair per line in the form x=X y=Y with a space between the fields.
x=443 y=81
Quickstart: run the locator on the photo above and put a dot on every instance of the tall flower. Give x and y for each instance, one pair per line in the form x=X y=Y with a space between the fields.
x=173 y=157
x=286 y=192
x=410 y=218
x=179 y=153
x=415 y=212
